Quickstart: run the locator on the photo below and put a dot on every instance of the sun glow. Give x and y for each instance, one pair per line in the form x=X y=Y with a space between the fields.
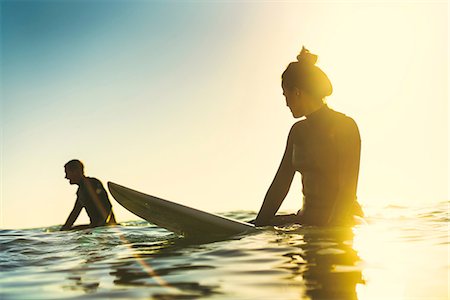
x=187 y=104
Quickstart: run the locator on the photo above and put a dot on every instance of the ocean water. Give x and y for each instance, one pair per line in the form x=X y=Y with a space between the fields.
x=401 y=253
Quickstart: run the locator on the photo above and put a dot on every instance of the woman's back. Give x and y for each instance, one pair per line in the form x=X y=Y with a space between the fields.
x=325 y=148
x=326 y=151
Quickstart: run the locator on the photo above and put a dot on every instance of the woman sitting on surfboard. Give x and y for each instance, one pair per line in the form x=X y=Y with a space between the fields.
x=324 y=147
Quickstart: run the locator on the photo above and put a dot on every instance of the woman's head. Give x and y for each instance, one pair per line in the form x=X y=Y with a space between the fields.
x=303 y=78
x=305 y=75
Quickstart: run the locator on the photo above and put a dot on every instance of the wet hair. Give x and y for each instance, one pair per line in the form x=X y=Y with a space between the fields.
x=74 y=164
x=305 y=75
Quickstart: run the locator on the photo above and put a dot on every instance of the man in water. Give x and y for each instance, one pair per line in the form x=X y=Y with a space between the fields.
x=91 y=195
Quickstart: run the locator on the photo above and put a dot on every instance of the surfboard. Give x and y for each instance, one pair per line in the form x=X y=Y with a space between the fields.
x=175 y=217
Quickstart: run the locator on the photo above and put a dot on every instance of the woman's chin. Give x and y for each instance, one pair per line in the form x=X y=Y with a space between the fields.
x=297 y=115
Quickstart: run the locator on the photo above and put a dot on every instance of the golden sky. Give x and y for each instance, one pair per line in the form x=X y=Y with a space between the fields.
x=183 y=100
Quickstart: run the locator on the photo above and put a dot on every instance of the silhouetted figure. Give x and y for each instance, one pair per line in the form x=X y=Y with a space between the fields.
x=91 y=195
x=324 y=147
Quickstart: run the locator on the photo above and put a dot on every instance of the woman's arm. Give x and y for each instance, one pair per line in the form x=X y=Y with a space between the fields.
x=279 y=187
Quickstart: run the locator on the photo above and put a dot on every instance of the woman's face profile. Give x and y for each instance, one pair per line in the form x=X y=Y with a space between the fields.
x=293 y=101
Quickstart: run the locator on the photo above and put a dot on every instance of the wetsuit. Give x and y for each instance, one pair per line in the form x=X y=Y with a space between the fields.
x=93 y=197
x=325 y=149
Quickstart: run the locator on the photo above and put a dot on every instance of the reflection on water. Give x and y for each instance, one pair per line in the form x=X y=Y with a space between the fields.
x=325 y=263
x=390 y=258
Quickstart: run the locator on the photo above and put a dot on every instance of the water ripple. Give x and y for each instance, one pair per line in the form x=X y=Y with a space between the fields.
x=139 y=260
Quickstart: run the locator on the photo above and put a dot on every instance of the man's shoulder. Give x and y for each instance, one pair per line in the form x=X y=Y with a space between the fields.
x=96 y=185
x=94 y=182
x=92 y=179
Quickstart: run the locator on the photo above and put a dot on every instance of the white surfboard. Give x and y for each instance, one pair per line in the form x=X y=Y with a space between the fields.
x=176 y=217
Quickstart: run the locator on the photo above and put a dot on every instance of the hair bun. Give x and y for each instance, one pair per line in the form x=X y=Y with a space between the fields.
x=306 y=57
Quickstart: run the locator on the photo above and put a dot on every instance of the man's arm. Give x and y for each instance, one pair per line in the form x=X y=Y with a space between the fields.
x=279 y=187
x=73 y=216
x=112 y=218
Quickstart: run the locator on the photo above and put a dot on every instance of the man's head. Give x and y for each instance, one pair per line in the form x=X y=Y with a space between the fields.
x=74 y=171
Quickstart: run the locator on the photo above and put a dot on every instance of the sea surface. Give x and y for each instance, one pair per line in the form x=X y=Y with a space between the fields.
x=401 y=253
